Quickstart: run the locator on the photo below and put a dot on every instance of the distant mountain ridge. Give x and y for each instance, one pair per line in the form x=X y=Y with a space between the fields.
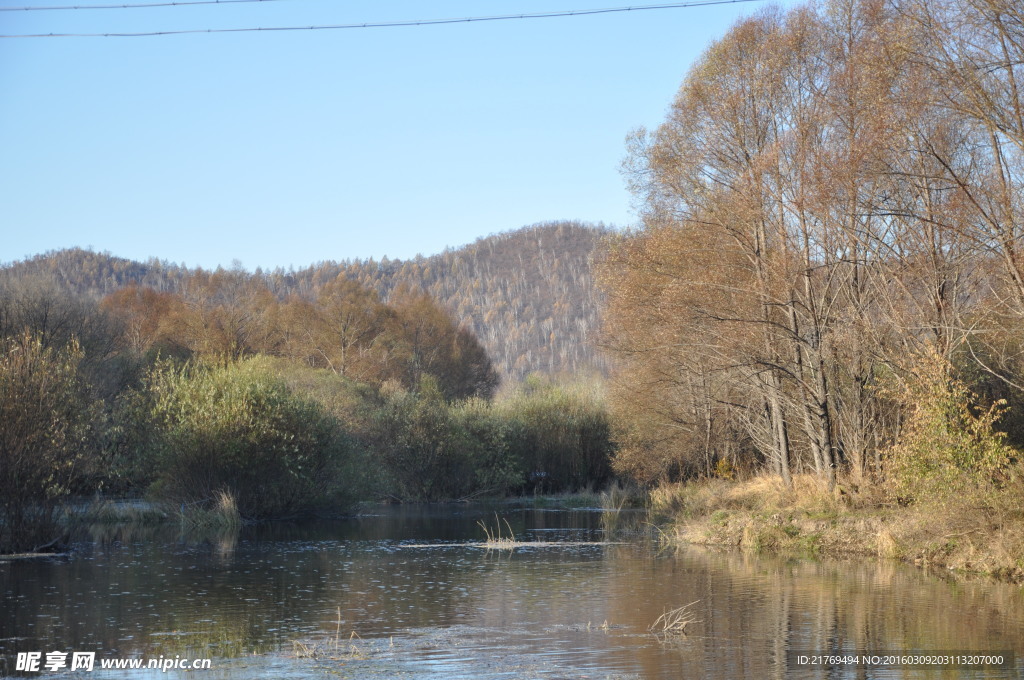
x=527 y=294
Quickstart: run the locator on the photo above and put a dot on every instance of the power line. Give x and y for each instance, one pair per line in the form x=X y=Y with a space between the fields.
x=128 y=6
x=383 y=24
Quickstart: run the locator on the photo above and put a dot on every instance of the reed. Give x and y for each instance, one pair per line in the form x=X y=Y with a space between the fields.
x=223 y=513
x=495 y=538
x=673 y=622
x=302 y=650
x=617 y=497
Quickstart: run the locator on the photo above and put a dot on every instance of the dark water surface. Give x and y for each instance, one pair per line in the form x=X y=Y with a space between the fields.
x=410 y=592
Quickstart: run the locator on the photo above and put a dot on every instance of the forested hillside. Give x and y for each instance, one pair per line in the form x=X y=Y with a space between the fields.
x=528 y=294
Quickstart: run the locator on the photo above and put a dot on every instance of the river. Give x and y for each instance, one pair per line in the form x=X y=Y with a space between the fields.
x=412 y=592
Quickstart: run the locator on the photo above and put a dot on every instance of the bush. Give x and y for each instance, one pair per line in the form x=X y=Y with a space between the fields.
x=47 y=440
x=129 y=445
x=562 y=435
x=433 y=450
x=948 y=447
x=496 y=467
x=237 y=429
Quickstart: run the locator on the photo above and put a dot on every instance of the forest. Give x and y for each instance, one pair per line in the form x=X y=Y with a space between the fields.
x=528 y=295
x=828 y=282
x=232 y=401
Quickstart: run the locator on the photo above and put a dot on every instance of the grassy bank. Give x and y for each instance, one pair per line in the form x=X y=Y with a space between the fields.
x=761 y=514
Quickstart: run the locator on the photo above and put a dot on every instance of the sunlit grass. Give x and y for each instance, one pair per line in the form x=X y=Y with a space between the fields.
x=979 y=532
x=495 y=538
x=223 y=513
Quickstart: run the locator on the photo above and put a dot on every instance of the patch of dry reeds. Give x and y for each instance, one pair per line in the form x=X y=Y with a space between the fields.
x=673 y=622
x=494 y=538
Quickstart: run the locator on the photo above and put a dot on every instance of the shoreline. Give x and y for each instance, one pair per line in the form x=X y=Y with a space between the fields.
x=760 y=515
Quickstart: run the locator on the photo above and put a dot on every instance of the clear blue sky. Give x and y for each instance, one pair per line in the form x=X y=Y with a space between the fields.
x=289 y=148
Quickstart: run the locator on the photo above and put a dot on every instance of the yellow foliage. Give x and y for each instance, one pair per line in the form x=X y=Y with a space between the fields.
x=724 y=469
x=948 y=444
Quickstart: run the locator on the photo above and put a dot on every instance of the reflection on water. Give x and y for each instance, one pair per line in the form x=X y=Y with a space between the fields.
x=453 y=609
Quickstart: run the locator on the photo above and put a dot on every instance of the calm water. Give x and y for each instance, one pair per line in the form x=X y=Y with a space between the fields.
x=410 y=592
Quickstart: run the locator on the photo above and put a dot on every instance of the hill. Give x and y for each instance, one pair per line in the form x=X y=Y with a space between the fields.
x=528 y=294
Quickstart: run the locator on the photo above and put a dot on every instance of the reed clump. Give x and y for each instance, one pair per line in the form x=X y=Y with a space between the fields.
x=673 y=622
x=618 y=496
x=495 y=538
x=221 y=512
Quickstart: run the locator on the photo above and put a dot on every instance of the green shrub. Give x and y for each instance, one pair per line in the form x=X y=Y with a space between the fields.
x=562 y=435
x=417 y=444
x=129 y=444
x=237 y=429
x=47 y=437
x=496 y=468
x=435 y=450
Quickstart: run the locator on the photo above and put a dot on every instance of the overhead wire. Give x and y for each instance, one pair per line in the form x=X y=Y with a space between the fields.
x=377 y=24
x=139 y=5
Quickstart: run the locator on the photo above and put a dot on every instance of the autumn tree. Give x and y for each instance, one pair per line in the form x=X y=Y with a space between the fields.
x=527 y=295
x=57 y=317
x=804 y=230
x=226 y=315
x=706 y=176
x=425 y=340
x=341 y=330
x=149 y=319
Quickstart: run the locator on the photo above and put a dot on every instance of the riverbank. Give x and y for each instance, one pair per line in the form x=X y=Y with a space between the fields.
x=761 y=515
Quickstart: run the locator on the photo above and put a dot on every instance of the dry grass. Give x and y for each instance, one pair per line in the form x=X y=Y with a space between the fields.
x=303 y=650
x=223 y=513
x=886 y=544
x=673 y=622
x=495 y=539
x=981 y=533
x=617 y=497
x=323 y=650
x=759 y=494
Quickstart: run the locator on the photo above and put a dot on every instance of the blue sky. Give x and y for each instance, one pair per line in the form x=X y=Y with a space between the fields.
x=288 y=148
